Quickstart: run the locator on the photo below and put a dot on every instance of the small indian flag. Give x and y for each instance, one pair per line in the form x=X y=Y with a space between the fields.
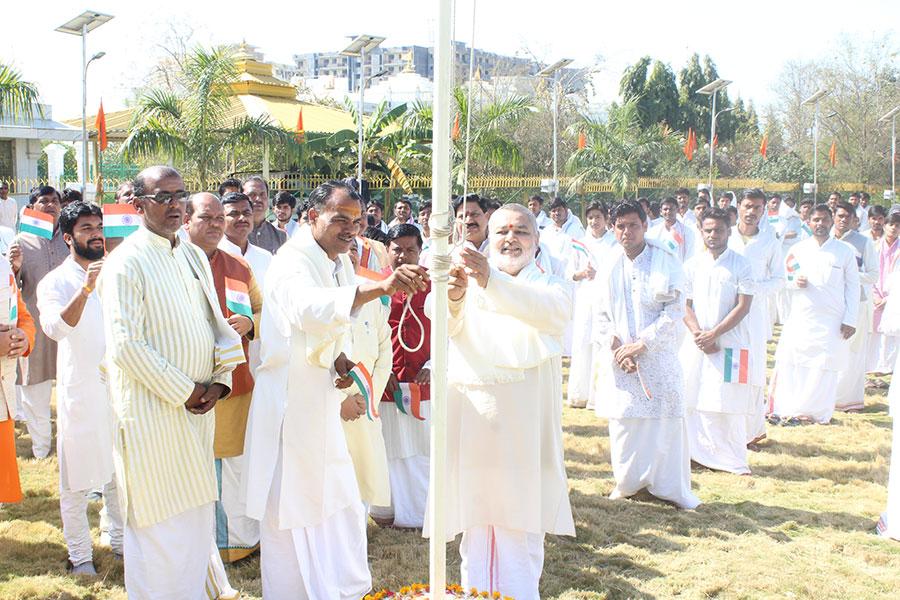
x=773 y=217
x=237 y=297
x=677 y=237
x=408 y=398
x=374 y=276
x=791 y=263
x=360 y=375
x=120 y=220
x=13 y=301
x=37 y=223
x=578 y=246
x=737 y=363
x=807 y=229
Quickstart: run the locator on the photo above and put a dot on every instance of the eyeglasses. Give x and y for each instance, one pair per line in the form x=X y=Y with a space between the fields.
x=167 y=197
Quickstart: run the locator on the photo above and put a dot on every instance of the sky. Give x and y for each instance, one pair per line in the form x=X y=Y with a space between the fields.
x=749 y=41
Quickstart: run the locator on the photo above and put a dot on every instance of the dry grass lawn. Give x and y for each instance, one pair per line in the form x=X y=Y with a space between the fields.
x=800 y=527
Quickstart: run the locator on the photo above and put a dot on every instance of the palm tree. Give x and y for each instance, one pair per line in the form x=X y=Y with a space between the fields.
x=18 y=98
x=489 y=146
x=615 y=150
x=192 y=126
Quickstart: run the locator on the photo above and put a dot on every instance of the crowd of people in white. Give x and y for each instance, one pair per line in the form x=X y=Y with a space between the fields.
x=227 y=384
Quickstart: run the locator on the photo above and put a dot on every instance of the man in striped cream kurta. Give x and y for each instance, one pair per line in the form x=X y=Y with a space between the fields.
x=169 y=355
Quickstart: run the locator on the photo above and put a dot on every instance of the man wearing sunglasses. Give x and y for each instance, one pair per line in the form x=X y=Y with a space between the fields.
x=169 y=355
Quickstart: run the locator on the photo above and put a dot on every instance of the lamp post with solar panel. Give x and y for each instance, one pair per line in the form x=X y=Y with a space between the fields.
x=361 y=45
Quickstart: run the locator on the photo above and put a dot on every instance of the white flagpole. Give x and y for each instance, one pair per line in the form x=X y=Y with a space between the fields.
x=440 y=264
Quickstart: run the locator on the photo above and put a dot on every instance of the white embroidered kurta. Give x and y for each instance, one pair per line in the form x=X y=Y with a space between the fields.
x=164 y=333
x=713 y=285
x=371 y=345
x=504 y=408
x=84 y=415
x=305 y=325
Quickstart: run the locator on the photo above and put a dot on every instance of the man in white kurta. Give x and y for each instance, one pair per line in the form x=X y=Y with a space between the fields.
x=883 y=346
x=719 y=291
x=763 y=250
x=641 y=301
x=813 y=345
x=299 y=479
x=677 y=236
x=72 y=317
x=586 y=256
x=169 y=355
x=506 y=481
x=889 y=523
x=851 y=392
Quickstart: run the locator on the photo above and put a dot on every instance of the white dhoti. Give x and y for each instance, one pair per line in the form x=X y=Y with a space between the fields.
x=804 y=392
x=36 y=410
x=889 y=523
x=407 y=444
x=237 y=535
x=168 y=559
x=756 y=419
x=76 y=528
x=851 y=384
x=882 y=353
x=326 y=561
x=579 y=383
x=652 y=454
x=719 y=440
x=501 y=560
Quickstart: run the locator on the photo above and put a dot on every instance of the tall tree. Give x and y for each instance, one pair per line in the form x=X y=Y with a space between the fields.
x=18 y=98
x=660 y=100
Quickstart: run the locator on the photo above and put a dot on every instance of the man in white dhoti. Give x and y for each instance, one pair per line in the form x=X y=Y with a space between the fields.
x=889 y=523
x=169 y=355
x=72 y=317
x=763 y=250
x=506 y=481
x=586 y=255
x=719 y=291
x=678 y=237
x=639 y=371
x=851 y=386
x=299 y=480
x=883 y=346
x=813 y=345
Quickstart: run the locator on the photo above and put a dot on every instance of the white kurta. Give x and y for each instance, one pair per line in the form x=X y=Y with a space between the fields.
x=718 y=402
x=681 y=240
x=763 y=250
x=851 y=386
x=882 y=346
x=811 y=348
x=643 y=300
x=84 y=415
x=295 y=414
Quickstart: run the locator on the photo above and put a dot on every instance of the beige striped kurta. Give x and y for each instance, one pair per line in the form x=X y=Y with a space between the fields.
x=161 y=339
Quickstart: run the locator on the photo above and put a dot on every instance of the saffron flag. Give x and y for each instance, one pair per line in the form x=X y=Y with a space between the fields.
x=120 y=220
x=37 y=223
x=237 y=297
x=716 y=141
x=360 y=375
x=398 y=175
x=101 y=128
x=13 y=301
x=832 y=154
x=408 y=398
x=764 y=146
x=689 y=145
x=300 y=136
x=737 y=363
x=582 y=140
x=454 y=135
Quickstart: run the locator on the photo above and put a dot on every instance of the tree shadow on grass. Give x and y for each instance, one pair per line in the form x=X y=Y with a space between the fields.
x=843 y=474
x=37 y=506
x=803 y=450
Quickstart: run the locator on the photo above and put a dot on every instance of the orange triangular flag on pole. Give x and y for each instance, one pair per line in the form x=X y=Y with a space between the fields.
x=100 y=124
x=689 y=145
x=582 y=140
x=764 y=146
x=454 y=135
x=716 y=141
x=832 y=154
x=301 y=134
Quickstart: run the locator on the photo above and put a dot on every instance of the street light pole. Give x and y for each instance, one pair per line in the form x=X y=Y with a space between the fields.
x=892 y=115
x=360 y=45
x=814 y=99
x=712 y=89
x=82 y=25
x=546 y=72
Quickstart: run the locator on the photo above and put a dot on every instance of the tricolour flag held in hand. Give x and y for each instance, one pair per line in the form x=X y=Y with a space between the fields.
x=371 y=275
x=120 y=220
x=578 y=246
x=408 y=398
x=773 y=217
x=792 y=266
x=360 y=375
x=13 y=300
x=37 y=223
x=737 y=365
x=237 y=297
